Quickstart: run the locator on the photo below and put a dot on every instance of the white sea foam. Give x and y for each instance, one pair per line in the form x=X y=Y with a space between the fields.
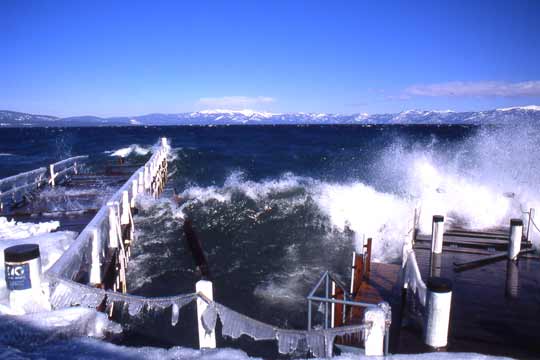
x=132 y=149
x=479 y=184
x=369 y=213
x=6 y=154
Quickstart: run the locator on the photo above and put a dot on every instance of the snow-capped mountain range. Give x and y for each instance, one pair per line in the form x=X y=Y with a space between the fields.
x=529 y=114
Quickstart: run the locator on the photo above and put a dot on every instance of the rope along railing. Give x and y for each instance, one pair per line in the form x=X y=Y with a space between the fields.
x=66 y=293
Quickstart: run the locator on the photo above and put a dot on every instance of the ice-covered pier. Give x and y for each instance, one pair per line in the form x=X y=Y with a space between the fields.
x=91 y=273
x=454 y=290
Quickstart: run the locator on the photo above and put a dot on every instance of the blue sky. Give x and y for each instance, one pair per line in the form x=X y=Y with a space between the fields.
x=132 y=57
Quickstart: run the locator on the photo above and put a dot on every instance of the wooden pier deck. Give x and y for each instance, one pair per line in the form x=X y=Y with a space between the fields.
x=495 y=304
x=74 y=202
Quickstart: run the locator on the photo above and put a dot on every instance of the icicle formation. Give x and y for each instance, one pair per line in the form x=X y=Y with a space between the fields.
x=236 y=324
x=413 y=278
x=67 y=293
x=319 y=342
x=175 y=314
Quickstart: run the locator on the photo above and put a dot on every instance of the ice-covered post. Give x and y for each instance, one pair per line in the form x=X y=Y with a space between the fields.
x=438 y=305
x=374 y=341
x=134 y=190
x=147 y=177
x=125 y=208
x=516 y=232
x=22 y=264
x=114 y=236
x=435 y=264
x=512 y=279
x=531 y=216
x=141 y=182
x=52 y=174
x=207 y=339
x=95 y=266
x=437 y=232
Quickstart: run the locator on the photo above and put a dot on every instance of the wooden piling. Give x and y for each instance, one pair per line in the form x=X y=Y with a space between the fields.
x=207 y=337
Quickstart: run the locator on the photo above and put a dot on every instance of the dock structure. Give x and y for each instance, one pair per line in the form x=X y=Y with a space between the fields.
x=108 y=222
x=470 y=291
x=455 y=289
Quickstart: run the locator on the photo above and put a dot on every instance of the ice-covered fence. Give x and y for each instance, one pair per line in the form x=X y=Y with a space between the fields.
x=61 y=170
x=74 y=277
x=66 y=293
x=101 y=250
x=13 y=189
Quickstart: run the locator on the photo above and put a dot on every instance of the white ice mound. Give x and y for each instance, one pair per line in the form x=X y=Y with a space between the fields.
x=51 y=247
x=10 y=230
x=35 y=330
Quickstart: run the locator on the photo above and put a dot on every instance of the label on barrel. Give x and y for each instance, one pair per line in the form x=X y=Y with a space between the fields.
x=18 y=277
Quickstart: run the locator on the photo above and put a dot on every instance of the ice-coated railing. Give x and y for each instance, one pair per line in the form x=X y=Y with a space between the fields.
x=105 y=240
x=15 y=188
x=60 y=170
x=319 y=342
x=412 y=278
x=74 y=277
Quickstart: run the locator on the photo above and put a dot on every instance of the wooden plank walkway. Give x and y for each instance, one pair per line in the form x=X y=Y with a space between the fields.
x=75 y=202
x=495 y=307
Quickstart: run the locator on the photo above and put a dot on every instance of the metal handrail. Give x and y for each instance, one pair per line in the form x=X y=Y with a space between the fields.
x=326 y=277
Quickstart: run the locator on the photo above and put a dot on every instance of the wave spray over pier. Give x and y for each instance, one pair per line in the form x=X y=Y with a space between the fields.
x=143 y=256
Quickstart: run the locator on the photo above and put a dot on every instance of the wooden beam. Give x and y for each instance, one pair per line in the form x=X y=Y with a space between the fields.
x=368 y=258
x=358 y=272
x=484 y=261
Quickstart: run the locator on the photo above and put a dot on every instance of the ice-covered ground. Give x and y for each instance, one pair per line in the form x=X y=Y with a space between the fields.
x=10 y=230
x=51 y=246
x=91 y=348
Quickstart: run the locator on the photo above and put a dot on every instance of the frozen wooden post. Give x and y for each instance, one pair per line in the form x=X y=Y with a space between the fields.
x=147 y=177
x=512 y=279
x=357 y=272
x=516 y=233
x=435 y=264
x=114 y=236
x=368 y=258
x=52 y=175
x=95 y=266
x=337 y=309
x=125 y=209
x=437 y=233
x=374 y=342
x=438 y=305
x=134 y=191
x=141 y=182
x=207 y=339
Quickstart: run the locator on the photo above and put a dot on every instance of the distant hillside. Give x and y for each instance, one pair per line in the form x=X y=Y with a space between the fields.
x=248 y=117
